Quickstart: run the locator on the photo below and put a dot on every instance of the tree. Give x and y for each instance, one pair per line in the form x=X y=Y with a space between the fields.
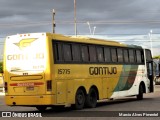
x=156 y=57
x=1 y=67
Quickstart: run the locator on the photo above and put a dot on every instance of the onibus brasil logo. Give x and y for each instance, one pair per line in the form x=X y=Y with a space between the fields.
x=25 y=43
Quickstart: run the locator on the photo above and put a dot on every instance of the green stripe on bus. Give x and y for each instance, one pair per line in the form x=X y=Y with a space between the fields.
x=127 y=78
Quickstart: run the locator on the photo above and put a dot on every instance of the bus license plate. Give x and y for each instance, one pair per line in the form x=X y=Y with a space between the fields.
x=30 y=88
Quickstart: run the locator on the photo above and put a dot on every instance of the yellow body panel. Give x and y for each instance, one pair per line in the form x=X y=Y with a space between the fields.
x=79 y=76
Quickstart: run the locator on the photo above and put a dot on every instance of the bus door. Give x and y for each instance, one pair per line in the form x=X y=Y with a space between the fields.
x=149 y=65
x=150 y=74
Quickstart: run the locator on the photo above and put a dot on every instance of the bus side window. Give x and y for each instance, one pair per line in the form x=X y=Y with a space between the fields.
x=126 y=57
x=100 y=54
x=58 y=51
x=114 y=54
x=131 y=56
x=67 y=52
x=138 y=56
x=92 y=53
x=148 y=55
x=76 y=52
x=120 y=55
x=107 y=54
x=85 y=55
x=142 y=55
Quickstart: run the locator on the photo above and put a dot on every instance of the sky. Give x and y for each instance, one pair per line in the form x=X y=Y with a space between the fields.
x=128 y=21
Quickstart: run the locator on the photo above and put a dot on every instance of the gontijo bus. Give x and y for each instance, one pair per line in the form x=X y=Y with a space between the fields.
x=44 y=69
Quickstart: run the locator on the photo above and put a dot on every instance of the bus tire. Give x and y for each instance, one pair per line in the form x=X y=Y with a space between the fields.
x=41 y=108
x=79 y=99
x=140 y=95
x=91 y=98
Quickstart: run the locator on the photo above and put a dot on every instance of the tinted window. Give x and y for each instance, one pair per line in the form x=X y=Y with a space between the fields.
x=142 y=55
x=114 y=55
x=58 y=51
x=126 y=59
x=138 y=56
x=85 y=56
x=67 y=52
x=92 y=54
x=120 y=55
x=100 y=54
x=76 y=52
x=107 y=54
x=148 y=55
x=131 y=56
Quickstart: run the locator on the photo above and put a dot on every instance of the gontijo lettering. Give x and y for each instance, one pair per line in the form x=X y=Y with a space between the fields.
x=102 y=70
x=25 y=56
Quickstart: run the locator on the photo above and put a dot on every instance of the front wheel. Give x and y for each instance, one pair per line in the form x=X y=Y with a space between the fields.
x=140 y=95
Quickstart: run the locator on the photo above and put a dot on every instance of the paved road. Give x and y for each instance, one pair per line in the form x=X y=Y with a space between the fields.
x=151 y=102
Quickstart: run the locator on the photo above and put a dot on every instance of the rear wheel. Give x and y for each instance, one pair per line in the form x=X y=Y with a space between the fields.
x=91 y=99
x=140 y=95
x=79 y=99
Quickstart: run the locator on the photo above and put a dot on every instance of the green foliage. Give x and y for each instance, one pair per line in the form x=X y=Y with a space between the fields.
x=1 y=67
x=156 y=57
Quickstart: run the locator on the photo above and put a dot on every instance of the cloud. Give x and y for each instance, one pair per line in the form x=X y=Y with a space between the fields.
x=126 y=17
x=87 y=10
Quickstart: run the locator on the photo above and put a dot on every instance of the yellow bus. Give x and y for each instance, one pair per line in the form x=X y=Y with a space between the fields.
x=47 y=70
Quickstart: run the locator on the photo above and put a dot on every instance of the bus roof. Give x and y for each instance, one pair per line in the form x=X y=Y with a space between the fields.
x=78 y=39
x=84 y=39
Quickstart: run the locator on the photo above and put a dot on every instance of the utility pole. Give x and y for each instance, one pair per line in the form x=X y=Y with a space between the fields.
x=53 y=21
x=75 y=20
